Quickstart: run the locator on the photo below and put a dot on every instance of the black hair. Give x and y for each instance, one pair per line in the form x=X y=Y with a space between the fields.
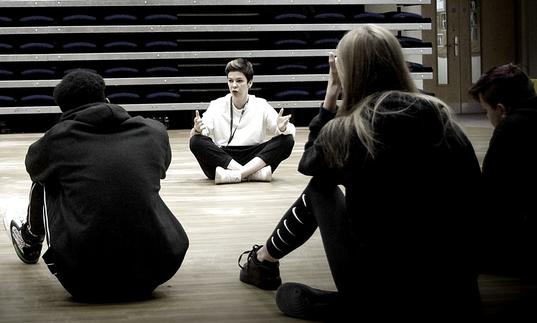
x=241 y=65
x=78 y=88
x=506 y=84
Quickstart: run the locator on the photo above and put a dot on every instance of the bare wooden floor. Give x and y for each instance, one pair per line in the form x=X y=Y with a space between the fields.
x=221 y=222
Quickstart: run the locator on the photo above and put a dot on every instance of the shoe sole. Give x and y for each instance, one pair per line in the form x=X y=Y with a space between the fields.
x=19 y=252
x=301 y=301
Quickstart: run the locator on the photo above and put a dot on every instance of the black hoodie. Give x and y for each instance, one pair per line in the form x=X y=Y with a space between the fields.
x=110 y=232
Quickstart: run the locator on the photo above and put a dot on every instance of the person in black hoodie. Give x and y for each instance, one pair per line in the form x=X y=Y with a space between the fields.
x=400 y=241
x=95 y=198
x=509 y=171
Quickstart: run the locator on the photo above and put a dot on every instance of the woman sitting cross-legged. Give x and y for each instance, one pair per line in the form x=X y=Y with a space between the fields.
x=241 y=137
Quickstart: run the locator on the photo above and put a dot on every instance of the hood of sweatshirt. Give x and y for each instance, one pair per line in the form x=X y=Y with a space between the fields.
x=100 y=115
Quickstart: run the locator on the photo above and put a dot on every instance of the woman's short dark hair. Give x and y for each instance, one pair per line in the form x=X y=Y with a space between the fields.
x=241 y=65
x=506 y=84
x=78 y=88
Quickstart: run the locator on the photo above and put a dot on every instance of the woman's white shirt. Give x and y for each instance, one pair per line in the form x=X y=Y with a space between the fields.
x=256 y=123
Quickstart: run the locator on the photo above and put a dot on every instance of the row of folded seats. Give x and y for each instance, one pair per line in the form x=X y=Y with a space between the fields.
x=192 y=42
x=354 y=14
x=82 y=45
x=140 y=96
x=130 y=69
x=169 y=94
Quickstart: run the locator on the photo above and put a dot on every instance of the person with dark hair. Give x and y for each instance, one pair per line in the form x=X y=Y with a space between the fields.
x=509 y=171
x=400 y=242
x=241 y=137
x=95 y=198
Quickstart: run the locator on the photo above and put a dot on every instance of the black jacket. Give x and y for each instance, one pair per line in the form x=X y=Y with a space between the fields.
x=412 y=211
x=510 y=175
x=110 y=231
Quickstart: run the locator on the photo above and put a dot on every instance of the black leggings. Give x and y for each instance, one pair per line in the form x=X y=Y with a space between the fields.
x=322 y=205
x=364 y=293
x=35 y=210
x=210 y=156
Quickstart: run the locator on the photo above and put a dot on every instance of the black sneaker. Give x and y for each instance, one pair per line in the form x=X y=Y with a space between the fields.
x=27 y=246
x=301 y=301
x=265 y=275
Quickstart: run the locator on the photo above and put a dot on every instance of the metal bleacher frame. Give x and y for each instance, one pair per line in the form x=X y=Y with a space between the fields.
x=190 y=28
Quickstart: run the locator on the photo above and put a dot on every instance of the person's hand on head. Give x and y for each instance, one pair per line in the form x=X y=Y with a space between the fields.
x=283 y=120
x=333 y=89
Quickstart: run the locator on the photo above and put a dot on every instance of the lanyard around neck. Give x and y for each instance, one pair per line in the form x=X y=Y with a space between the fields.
x=231 y=130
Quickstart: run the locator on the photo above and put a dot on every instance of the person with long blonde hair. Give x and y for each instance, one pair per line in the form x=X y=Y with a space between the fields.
x=400 y=241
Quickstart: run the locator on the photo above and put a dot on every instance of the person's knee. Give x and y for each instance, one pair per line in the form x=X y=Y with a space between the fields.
x=196 y=144
x=287 y=142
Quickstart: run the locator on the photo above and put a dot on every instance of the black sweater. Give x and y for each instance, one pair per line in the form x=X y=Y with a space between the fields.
x=412 y=209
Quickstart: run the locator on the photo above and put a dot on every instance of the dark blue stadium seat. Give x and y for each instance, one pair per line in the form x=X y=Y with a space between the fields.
x=290 y=43
x=203 y=94
x=121 y=71
x=162 y=97
x=219 y=43
x=120 y=46
x=5 y=48
x=404 y=17
x=160 y=19
x=38 y=73
x=162 y=45
x=6 y=101
x=118 y=19
x=326 y=17
x=124 y=97
x=320 y=94
x=37 y=47
x=290 y=17
x=79 y=46
x=292 y=94
x=329 y=42
x=321 y=68
x=162 y=71
x=37 y=99
x=369 y=17
x=79 y=20
x=37 y=20
x=6 y=74
x=67 y=71
x=5 y=21
x=291 y=68
x=411 y=42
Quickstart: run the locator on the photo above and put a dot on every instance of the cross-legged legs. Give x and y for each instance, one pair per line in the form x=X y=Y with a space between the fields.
x=244 y=161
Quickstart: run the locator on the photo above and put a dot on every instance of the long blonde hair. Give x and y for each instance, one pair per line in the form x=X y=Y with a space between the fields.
x=335 y=137
x=369 y=62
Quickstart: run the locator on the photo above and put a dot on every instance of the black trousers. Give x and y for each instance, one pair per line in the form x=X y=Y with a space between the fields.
x=371 y=290
x=325 y=210
x=210 y=156
x=35 y=216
